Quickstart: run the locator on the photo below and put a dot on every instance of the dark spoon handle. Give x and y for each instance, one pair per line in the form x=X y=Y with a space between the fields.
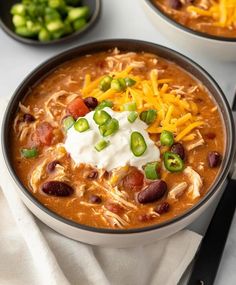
x=212 y=247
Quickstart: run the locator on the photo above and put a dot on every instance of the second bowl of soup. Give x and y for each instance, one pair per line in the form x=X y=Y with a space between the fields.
x=207 y=28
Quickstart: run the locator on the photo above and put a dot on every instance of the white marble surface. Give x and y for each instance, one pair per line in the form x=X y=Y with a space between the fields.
x=121 y=19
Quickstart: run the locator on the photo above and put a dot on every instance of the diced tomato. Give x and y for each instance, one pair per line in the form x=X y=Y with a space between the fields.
x=77 y=108
x=45 y=133
x=134 y=180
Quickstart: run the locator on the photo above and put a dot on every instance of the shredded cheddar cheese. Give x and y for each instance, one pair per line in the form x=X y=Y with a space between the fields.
x=175 y=113
x=223 y=12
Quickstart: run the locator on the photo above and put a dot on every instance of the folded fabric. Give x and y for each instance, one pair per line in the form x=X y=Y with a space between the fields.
x=32 y=253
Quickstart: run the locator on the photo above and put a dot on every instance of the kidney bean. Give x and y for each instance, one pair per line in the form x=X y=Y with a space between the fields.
x=28 y=118
x=57 y=188
x=101 y=64
x=95 y=199
x=91 y=102
x=115 y=208
x=178 y=149
x=162 y=208
x=145 y=218
x=152 y=192
x=106 y=175
x=175 y=4
x=52 y=165
x=214 y=159
x=133 y=180
x=210 y=136
x=92 y=175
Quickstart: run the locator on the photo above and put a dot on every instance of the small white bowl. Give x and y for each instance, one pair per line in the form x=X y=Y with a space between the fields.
x=220 y=48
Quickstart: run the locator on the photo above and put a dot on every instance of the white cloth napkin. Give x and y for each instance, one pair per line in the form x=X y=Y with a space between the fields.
x=33 y=254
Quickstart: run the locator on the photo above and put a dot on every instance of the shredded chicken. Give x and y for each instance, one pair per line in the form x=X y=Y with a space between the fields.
x=196 y=182
x=178 y=90
x=24 y=109
x=137 y=64
x=54 y=99
x=117 y=195
x=37 y=174
x=80 y=189
x=59 y=173
x=177 y=190
x=127 y=55
x=197 y=143
x=192 y=89
x=57 y=152
x=114 y=219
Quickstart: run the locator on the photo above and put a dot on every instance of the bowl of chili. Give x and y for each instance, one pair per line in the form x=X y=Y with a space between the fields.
x=98 y=114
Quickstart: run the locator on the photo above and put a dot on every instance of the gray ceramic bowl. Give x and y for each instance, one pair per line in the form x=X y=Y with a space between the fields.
x=8 y=27
x=112 y=237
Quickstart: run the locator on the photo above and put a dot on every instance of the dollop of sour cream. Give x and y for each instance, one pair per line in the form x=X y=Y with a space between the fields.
x=118 y=153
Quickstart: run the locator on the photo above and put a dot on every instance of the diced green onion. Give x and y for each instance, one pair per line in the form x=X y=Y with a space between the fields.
x=78 y=13
x=118 y=84
x=129 y=81
x=51 y=15
x=18 y=21
x=173 y=162
x=44 y=35
x=166 y=138
x=56 y=4
x=101 y=117
x=55 y=26
x=81 y=125
x=148 y=116
x=109 y=128
x=33 y=26
x=131 y=106
x=68 y=122
x=137 y=144
x=18 y=9
x=104 y=104
x=79 y=24
x=105 y=83
x=151 y=170
x=101 y=145
x=47 y=20
x=25 y=32
x=29 y=152
x=132 y=117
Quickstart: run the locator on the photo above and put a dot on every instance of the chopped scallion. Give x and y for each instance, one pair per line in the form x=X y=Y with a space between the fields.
x=101 y=145
x=29 y=152
x=104 y=104
x=129 y=81
x=131 y=106
x=101 y=117
x=68 y=122
x=109 y=128
x=132 y=116
x=81 y=125
x=151 y=170
x=148 y=116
